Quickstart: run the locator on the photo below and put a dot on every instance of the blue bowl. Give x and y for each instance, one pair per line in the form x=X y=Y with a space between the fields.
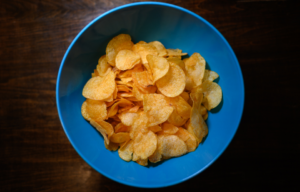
x=175 y=27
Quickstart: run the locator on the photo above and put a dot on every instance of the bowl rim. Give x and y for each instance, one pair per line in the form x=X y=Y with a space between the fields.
x=163 y=5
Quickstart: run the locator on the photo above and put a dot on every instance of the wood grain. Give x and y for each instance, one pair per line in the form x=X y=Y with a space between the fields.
x=35 y=152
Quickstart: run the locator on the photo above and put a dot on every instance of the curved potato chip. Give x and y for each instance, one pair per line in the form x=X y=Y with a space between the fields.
x=126 y=150
x=103 y=66
x=209 y=75
x=124 y=88
x=120 y=127
x=185 y=96
x=142 y=79
x=195 y=68
x=144 y=49
x=121 y=95
x=156 y=156
x=175 y=52
x=120 y=137
x=168 y=128
x=212 y=94
x=160 y=48
x=189 y=84
x=173 y=83
x=111 y=146
x=114 y=108
x=171 y=146
x=100 y=88
x=127 y=59
x=176 y=119
x=96 y=109
x=143 y=162
x=124 y=109
x=139 y=123
x=188 y=138
x=95 y=73
x=182 y=107
x=116 y=44
x=128 y=118
x=155 y=128
x=157 y=108
x=205 y=116
x=84 y=112
x=134 y=109
x=159 y=66
x=177 y=61
x=145 y=144
x=104 y=128
x=137 y=93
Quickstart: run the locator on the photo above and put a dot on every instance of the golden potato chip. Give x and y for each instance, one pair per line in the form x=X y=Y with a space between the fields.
x=157 y=108
x=135 y=157
x=181 y=106
x=175 y=52
x=209 y=75
x=156 y=156
x=143 y=162
x=132 y=99
x=84 y=112
x=205 y=116
x=189 y=84
x=195 y=68
x=197 y=125
x=176 y=119
x=125 y=74
x=171 y=146
x=120 y=127
x=124 y=109
x=168 y=128
x=95 y=73
x=142 y=79
x=100 y=88
x=160 y=48
x=128 y=118
x=134 y=109
x=212 y=94
x=145 y=144
x=114 y=108
x=188 y=138
x=144 y=49
x=177 y=61
x=108 y=104
x=148 y=90
x=111 y=146
x=103 y=66
x=127 y=59
x=128 y=84
x=121 y=95
x=185 y=96
x=104 y=128
x=173 y=83
x=155 y=128
x=120 y=137
x=96 y=109
x=137 y=93
x=126 y=150
x=124 y=88
x=203 y=110
x=159 y=66
x=139 y=123
x=116 y=44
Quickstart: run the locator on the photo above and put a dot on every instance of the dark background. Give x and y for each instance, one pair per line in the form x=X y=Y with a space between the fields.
x=35 y=154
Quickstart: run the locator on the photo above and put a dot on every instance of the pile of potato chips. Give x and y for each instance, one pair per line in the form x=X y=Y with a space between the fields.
x=148 y=103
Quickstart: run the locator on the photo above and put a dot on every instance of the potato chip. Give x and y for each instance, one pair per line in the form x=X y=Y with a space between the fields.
x=124 y=109
x=212 y=94
x=188 y=138
x=160 y=48
x=128 y=118
x=155 y=128
x=135 y=157
x=103 y=66
x=111 y=146
x=127 y=59
x=126 y=150
x=144 y=49
x=159 y=66
x=100 y=88
x=120 y=137
x=142 y=79
x=197 y=125
x=173 y=83
x=124 y=88
x=121 y=95
x=175 y=52
x=139 y=123
x=171 y=146
x=120 y=127
x=116 y=44
x=185 y=96
x=168 y=128
x=96 y=109
x=189 y=84
x=104 y=128
x=134 y=109
x=209 y=75
x=156 y=156
x=84 y=112
x=181 y=106
x=145 y=144
x=195 y=68
x=157 y=108
x=95 y=73
x=143 y=162
x=177 y=61
x=114 y=108
x=205 y=116
x=176 y=119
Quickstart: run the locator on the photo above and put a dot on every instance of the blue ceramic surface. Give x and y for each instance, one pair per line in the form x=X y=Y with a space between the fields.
x=175 y=27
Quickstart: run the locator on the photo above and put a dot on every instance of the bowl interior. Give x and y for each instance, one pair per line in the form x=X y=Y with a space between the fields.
x=175 y=27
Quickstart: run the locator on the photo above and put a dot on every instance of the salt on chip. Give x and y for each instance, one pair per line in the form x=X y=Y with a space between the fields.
x=160 y=48
x=173 y=83
x=212 y=94
x=100 y=88
x=195 y=68
x=145 y=144
x=96 y=109
x=159 y=66
x=104 y=128
x=209 y=75
x=103 y=66
x=126 y=150
x=127 y=59
x=120 y=137
x=116 y=44
x=157 y=108
x=144 y=49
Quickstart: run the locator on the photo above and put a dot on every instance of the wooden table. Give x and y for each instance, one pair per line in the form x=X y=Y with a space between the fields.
x=35 y=152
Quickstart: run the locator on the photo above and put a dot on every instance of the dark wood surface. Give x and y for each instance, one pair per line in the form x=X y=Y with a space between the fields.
x=35 y=154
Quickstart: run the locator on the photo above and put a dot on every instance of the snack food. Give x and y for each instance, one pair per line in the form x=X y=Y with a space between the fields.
x=147 y=102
